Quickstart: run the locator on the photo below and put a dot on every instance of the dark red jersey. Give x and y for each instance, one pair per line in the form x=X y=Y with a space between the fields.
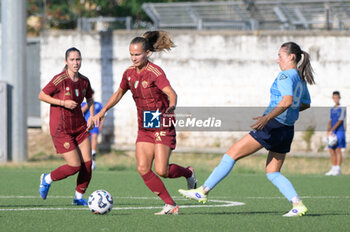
x=63 y=120
x=146 y=88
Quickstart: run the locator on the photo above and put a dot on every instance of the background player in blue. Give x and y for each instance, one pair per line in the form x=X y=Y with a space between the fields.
x=95 y=131
x=336 y=127
x=274 y=130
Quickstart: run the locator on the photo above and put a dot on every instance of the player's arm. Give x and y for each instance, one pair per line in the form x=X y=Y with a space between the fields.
x=91 y=106
x=170 y=92
x=69 y=104
x=339 y=122
x=284 y=104
x=335 y=126
x=303 y=107
x=84 y=108
x=111 y=102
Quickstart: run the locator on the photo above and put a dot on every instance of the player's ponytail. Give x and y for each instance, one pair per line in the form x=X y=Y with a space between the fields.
x=69 y=50
x=305 y=69
x=154 y=41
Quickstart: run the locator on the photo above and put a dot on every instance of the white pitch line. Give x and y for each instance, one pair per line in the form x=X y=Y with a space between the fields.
x=176 y=197
x=117 y=197
x=225 y=204
x=302 y=197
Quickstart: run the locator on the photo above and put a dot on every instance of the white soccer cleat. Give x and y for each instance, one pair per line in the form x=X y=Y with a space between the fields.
x=297 y=211
x=333 y=172
x=191 y=181
x=197 y=194
x=336 y=173
x=330 y=172
x=93 y=165
x=169 y=210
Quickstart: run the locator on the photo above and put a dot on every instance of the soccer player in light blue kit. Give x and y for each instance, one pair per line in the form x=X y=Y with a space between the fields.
x=336 y=127
x=274 y=130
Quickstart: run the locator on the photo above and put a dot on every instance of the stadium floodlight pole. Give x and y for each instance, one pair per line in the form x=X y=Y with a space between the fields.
x=13 y=62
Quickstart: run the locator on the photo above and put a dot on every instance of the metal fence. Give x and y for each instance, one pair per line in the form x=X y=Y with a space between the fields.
x=252 y=15
x=104 y=23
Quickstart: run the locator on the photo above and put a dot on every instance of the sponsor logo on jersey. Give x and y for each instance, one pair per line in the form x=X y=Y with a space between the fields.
x=282 y=77
x=76 y=92
x=136 y=84
x=67 y=94
x=67 y=88
x=151 y=119
x=144 y=84
x=66 y=145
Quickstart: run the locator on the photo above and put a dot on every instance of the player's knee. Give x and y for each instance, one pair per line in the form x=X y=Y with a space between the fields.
x=143 y=169
x=162 y=172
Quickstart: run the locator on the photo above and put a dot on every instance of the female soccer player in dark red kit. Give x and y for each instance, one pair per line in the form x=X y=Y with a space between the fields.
x=153 y=95
x=68 y=129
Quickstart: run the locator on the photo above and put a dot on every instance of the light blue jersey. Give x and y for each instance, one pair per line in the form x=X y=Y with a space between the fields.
x=288 y=83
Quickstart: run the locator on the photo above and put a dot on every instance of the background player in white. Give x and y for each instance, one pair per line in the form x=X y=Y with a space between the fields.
x=274 y=130
x=336 y=127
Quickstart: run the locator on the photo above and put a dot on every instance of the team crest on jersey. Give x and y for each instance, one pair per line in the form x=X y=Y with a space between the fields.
x=76 y=92
x=67 y=94
x=66 y=145
x=144 y=84
x=136 y=84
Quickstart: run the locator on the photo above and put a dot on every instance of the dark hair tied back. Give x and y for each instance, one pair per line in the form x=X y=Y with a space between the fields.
x=305 y=69
x=154 y=41
x=69 y=50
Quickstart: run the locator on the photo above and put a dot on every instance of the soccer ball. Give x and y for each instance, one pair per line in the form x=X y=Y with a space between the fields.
x=332 y=140
x=100 y=202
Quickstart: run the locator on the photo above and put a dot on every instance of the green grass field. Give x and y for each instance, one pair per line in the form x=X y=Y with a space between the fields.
x=21 y=208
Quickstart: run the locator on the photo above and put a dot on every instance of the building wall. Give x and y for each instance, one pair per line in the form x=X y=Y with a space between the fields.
x=206 y=68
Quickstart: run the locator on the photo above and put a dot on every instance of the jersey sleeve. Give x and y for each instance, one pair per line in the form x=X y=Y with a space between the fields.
x=50 y=88
x=161 y=81
x=306 y=99
x=124 y=83
x=285 y=85
x=342 y=114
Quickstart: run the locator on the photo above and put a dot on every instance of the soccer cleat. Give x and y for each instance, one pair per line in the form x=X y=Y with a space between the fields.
x=191 y=181
x=197 y=194
x=93 y=165
x=80 y=202
x=298 y=210
x=330 y=172
x=44 y=187
x=169 y=210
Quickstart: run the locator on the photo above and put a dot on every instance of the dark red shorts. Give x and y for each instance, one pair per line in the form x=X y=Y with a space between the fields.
x=64 y=142
x=165 y=137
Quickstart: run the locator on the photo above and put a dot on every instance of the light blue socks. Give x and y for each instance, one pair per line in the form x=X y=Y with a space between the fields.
x=283 y=184
x=220 y=172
